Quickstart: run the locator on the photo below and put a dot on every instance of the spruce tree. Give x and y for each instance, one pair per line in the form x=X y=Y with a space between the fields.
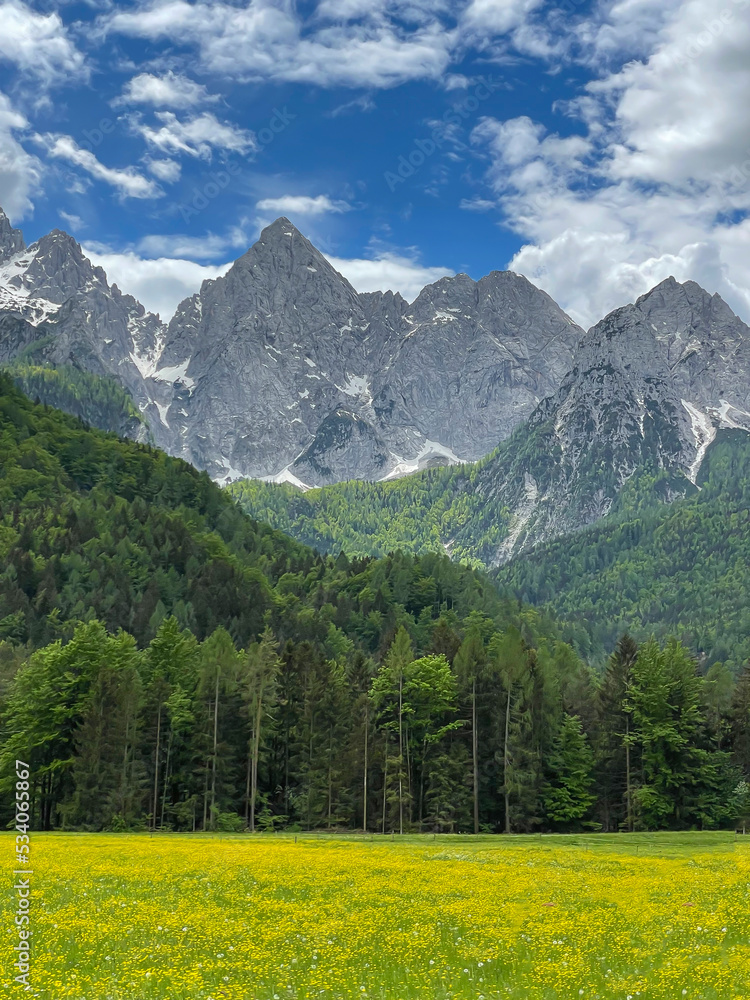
x=569 y=776
x=615 y=757
x=740 y=724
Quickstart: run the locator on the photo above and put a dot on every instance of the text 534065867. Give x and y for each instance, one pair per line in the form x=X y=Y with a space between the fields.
x=22 y=882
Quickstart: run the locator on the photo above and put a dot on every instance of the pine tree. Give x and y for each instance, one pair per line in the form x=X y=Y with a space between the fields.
x=262 y=665
x=519 y=769
x=740 y=723
x=615 y=762
x=569 y=768
x=388 y=700
x=470 y=664
x=219 y=669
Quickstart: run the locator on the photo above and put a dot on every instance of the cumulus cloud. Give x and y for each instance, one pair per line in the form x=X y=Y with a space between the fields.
x=126 y=180
x=494 y=17
x=74 y=221
x=171 y=90
x=168 y=171
x=684 y=113
x=160 y=283
x=355 y=44
x=196 y=136
x=658 y=183
x=298 y=204
x=20 y=172
x=388 y=272
x=38 y=44
x=209 y=246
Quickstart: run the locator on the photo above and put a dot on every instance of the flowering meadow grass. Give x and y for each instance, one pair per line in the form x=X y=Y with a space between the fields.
x=130 y=917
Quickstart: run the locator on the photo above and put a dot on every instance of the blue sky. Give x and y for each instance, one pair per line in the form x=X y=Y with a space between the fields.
x=594 y=147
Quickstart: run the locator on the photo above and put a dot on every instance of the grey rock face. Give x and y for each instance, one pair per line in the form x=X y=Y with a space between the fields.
x=269 y=367
x=281 y=370
x=263 y=353
x=472 y=362
x=15 y=336
x=79 y=318
x=343 y=441
x=11 y=240
x=650 y=385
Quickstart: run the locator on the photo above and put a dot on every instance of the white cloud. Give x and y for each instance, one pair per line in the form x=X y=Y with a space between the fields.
x=297 y=204
x=20 y=172
x=74 y=221
x=209 y=246
x=166 y=170
x=160 y=284
x=495 y=17
x=684 y=113
x=363 y=103
x=38 y=44
x=658 y=184
x=196 y=136
x=362 y=45
x=389 y=271
x=126 y=180
x=172 y=90
x=477 y=204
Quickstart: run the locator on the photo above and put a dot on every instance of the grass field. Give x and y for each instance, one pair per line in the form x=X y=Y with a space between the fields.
x=129 y=917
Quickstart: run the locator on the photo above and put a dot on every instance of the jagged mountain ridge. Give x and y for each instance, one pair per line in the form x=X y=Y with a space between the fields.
x=292 y=374
x=650 y=385
x=281 y=370
x=53 y=299
x=648 y=389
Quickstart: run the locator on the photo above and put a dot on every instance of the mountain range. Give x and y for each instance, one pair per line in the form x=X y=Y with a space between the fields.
x=281 y=372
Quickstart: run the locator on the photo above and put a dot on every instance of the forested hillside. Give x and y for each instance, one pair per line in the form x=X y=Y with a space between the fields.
x=653 y=568
x=649 y=566
x=99 y=401
x=167 y=661
x=416 y=514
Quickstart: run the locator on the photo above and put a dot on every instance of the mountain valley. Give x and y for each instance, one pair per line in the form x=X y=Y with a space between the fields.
x=477 y=421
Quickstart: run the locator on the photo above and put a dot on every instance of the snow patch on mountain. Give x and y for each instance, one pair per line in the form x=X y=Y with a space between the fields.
x=704 y=433
x=429 y=450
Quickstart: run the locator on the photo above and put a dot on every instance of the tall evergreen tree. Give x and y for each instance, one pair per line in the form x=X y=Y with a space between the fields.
x=470 y=664
x=740 y=723
x=569 y=768
x=259 y=685
x=388 y=699
x=615 y=760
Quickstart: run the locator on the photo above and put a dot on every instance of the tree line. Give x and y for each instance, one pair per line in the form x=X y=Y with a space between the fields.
x=463 y=727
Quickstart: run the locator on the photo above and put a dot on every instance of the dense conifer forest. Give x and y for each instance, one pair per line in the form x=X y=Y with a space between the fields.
x=656 y=568
x=98 y=400
x=648 y=567
x=167 y=662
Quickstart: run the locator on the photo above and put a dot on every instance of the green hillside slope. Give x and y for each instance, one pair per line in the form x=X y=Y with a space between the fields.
x=655 y=568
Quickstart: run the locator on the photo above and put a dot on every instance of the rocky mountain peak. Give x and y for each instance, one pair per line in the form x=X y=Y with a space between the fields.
x=59 y=267
x=11 y=240
x=650 y=386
